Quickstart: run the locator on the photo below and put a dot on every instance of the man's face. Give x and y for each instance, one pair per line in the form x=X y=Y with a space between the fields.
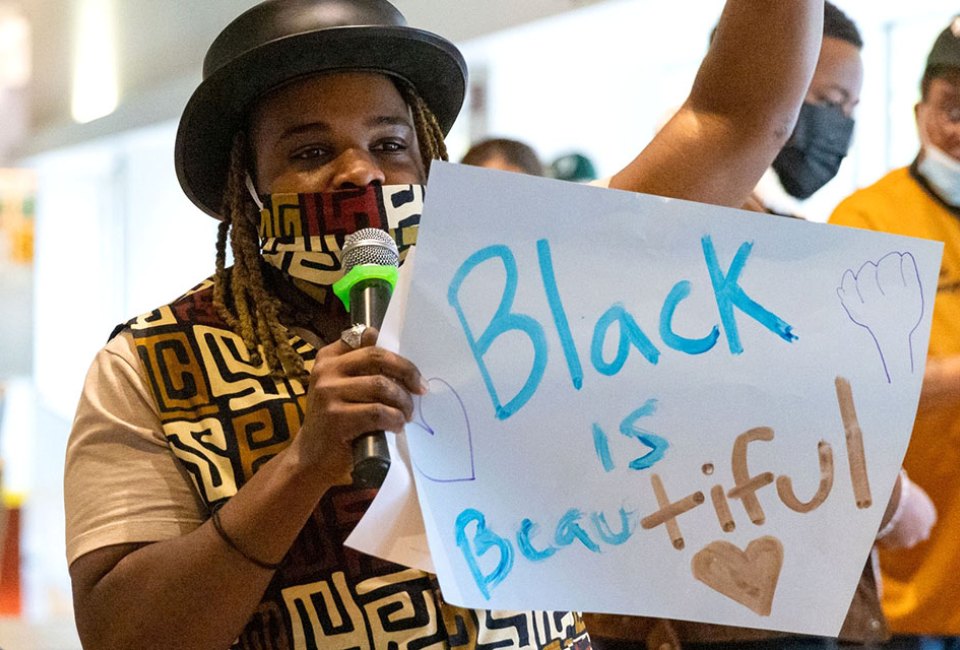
x=334 y=131
x=938 y=114
x=838 y=77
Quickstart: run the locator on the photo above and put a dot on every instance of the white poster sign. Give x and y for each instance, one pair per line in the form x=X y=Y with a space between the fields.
x=650 y=406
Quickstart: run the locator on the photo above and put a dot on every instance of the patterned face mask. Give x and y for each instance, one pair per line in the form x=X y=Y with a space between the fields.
x=302 y=235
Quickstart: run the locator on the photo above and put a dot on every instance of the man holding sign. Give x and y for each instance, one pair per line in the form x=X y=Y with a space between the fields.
x=208 y=472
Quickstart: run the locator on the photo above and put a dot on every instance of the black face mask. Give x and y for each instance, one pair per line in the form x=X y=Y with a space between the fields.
x=814 y=152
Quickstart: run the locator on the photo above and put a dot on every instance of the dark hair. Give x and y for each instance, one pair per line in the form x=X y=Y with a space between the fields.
x=514 y=152
x=943 y=60
x=836 y=24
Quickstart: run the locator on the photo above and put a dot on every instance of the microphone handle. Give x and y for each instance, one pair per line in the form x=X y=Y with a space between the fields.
x=371 y=457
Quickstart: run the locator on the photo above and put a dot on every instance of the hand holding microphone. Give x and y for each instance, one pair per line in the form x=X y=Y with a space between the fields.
x=370 y=263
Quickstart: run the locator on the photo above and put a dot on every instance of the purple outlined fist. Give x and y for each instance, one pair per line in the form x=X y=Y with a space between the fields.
x=886 y=299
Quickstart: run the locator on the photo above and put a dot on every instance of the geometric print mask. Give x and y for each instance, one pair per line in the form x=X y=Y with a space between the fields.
x=302 y=235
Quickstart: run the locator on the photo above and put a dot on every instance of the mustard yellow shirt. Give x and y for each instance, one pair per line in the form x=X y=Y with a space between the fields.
x=921 y=585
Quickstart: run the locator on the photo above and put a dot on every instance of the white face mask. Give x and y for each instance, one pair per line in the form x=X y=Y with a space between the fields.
x=942 y=172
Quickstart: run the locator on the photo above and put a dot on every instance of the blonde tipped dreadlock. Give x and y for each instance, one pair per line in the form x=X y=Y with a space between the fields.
x=253 y=315
x=252 y=311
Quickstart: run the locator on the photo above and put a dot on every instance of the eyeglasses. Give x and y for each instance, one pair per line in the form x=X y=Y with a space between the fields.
x=946 y=113
x=949 y=114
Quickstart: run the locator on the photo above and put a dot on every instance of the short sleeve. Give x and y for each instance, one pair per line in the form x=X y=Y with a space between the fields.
x=122 y=484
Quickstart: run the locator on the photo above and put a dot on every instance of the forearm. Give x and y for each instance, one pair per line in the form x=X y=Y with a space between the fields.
x=760 y=63
x=941 y=384
x=195 y=591
x=742 y=107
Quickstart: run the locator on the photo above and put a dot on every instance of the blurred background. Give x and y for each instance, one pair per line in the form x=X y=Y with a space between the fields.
x=91 y=212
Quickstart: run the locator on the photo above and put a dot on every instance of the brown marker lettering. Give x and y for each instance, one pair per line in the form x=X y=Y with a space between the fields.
x=668 y=512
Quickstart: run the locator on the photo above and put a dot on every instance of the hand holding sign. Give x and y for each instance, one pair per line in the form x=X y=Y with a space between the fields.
x=885 y=298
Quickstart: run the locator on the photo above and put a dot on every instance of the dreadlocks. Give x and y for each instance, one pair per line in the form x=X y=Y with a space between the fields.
x=429 y=133
x=240 y=294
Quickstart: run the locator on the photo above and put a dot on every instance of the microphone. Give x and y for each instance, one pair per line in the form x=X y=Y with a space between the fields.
x=370 y=262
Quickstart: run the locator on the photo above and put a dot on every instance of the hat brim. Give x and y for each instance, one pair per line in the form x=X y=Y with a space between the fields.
x=218 y=108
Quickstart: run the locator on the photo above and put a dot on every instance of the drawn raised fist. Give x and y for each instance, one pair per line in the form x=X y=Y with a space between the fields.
x=886 y=299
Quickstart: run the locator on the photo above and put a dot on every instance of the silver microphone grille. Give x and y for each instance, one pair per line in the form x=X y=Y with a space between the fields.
x=369 y=246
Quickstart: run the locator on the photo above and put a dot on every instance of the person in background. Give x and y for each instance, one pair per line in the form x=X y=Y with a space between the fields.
x=574 y=167
x=923 y=200
x=505 y=154
x=824 y=131
x=810 y=159
x=207 y=481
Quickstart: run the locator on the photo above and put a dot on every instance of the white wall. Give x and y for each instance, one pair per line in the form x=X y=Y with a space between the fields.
x=115 y=238
x=599 y=80
x=603 y=79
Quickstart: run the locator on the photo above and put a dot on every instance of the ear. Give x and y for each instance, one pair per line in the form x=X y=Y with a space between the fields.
x=918 y=119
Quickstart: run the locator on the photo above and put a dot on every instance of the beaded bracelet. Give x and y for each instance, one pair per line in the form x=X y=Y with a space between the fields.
x=215 y=517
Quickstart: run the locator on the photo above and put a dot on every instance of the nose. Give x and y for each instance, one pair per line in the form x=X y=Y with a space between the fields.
x=356 y=168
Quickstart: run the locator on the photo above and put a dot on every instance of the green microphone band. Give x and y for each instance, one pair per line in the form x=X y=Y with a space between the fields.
x=360 y=273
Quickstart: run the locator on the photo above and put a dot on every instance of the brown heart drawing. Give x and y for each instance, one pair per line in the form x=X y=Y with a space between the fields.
x=748 y=577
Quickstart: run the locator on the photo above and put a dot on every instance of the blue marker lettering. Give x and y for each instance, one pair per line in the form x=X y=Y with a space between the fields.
x=630 y=333
x=680 y=343
x=568 y=530
x=608 y=536
x=658 y=446
x=602 y=446
x=559 y=315
x=527 y=530
x=729 y=294
x=485 y=539
x=503 y=321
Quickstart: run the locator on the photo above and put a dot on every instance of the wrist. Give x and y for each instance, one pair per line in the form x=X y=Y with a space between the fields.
x=300 y=466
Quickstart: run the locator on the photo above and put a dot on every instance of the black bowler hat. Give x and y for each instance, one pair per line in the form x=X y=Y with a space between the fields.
x=280 y=40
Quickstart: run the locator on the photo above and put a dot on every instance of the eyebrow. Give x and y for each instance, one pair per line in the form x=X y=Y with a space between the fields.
x=951 y=94
x=846 y=94
x=308 y=127
x=846 y=97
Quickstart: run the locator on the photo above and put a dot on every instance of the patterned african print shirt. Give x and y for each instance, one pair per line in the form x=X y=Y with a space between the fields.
x=223 y=419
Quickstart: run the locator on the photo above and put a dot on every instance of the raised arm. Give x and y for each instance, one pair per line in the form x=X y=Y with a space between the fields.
x=742 y=107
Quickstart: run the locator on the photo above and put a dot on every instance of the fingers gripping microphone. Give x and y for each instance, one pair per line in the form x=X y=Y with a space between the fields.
x=370 y=262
